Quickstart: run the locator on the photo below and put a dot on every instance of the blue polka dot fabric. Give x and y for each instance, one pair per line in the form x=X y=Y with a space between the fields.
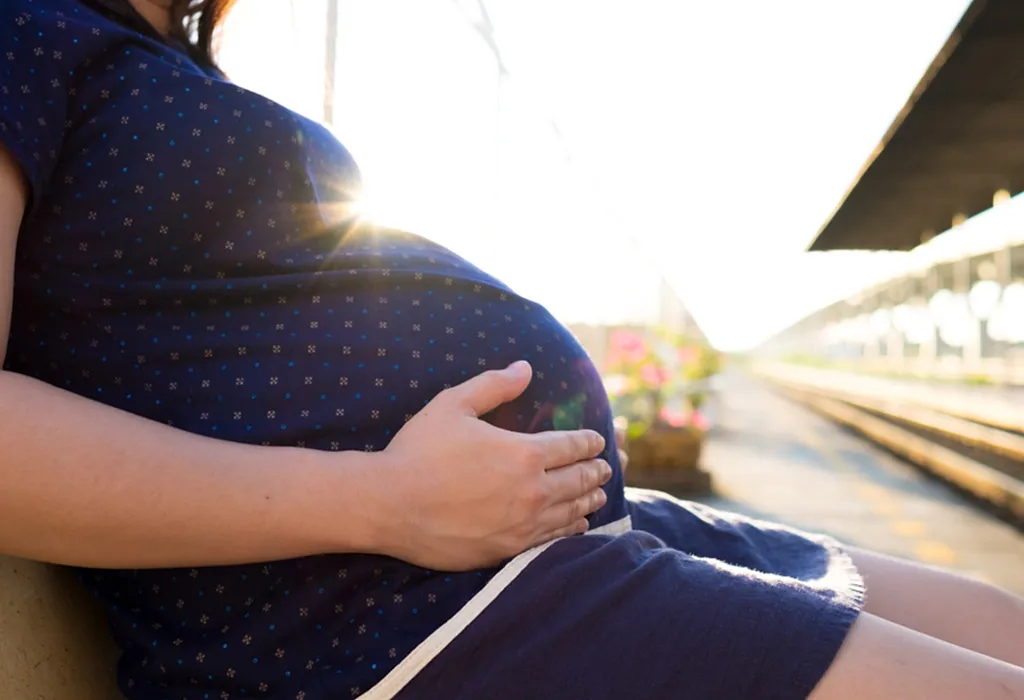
x=190 y=255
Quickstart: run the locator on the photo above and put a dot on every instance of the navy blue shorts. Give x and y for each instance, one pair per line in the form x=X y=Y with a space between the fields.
x=689 y=603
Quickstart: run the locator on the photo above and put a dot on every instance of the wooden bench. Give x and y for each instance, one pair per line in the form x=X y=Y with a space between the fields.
x=54 y=640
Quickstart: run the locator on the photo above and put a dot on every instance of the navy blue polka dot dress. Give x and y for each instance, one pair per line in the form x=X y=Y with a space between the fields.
x=189 y=255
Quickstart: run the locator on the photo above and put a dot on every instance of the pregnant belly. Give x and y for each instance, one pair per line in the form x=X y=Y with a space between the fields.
x=386 y=353
x=340 y=361
x=331 y=361
x=342 y=377
x=331 y=353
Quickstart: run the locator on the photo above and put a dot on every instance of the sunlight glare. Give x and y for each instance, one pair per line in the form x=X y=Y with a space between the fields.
x=710 y=160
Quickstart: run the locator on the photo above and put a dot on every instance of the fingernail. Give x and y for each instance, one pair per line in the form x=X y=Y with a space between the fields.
x=606 y=471
x=520 y=366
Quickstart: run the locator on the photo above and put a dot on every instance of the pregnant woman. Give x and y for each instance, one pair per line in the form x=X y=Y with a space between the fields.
x=296 y=456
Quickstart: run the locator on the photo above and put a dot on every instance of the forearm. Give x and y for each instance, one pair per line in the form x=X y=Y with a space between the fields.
x=88 y=485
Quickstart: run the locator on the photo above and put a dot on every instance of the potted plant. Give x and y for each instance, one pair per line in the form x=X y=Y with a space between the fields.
x=654 y=380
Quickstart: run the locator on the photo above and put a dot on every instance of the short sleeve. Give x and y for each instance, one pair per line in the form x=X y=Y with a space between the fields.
x=42 y=45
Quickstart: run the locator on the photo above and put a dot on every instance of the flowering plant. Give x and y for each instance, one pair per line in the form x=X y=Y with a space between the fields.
x=652 y=378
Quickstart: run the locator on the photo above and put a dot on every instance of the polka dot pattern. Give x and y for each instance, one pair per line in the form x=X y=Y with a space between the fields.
x=190 y=256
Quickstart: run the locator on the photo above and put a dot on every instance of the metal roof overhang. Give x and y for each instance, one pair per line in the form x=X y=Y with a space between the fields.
x=958 y=140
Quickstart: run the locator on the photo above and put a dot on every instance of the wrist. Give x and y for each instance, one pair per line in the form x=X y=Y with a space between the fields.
x=351 y=506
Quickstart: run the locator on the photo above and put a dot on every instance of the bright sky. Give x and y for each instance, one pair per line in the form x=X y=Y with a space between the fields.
x=706 y=142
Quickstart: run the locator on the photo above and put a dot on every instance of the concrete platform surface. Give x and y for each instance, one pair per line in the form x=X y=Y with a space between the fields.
x=773 y=459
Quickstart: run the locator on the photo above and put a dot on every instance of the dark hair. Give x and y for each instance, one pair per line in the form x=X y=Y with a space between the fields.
x=199 y=19
x=193 y=22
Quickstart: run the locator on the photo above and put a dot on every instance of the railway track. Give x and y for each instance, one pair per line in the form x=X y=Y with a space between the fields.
x=978 y=451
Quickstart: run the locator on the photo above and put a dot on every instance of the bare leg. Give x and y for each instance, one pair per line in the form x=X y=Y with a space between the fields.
x=881 y=660
x=944 y=605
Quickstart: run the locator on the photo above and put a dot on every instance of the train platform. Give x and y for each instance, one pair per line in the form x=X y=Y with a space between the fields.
x=773 y=458
x=998 y=406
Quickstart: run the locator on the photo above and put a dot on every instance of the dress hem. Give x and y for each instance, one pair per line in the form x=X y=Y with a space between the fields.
x=432 y=646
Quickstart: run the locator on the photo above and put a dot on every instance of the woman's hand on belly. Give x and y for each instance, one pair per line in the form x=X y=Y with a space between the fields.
x=458 y=493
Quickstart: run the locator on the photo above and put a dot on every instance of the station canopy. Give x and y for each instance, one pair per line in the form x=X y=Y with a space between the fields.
x=957 y=142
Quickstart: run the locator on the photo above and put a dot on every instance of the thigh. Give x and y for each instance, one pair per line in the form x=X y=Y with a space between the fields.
x=943 y=604
x=881 y=660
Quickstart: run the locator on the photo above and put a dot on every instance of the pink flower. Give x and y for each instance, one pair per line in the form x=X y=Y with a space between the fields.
x=677 y=419
x=626 y=347
x=699 y=421
x=689 y=355
x=682 y=419
x=654 y=376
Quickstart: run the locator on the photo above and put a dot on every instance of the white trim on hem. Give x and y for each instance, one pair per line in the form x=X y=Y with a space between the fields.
x=432 y=646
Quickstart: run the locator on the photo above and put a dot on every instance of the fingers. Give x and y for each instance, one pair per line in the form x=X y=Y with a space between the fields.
x=560 y=448
x=586 y=504
x=570 y=483
x=578 y=527
x=566 y=517
x=574 y=492
x=485 y=392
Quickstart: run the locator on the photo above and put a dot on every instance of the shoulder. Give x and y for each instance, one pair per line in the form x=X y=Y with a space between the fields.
x=46 y=47
x=44 y=16
x=49 y=48
x=53 y=34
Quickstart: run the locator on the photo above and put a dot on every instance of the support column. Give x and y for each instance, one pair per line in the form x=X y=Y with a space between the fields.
x=869 y=356
x=1004 y=276
x=897 y=336
x=1003 y=259
x=929 y=352
x=970 y=353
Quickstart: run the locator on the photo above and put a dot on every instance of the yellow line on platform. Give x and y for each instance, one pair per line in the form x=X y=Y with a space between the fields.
x=888 y=509
x=935 y=553
x=908 y=528
x=883 y=502
x=874 y=492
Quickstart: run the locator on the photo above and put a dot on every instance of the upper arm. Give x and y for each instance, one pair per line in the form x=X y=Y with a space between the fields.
x=13 y=196
x=42 y=48
x=46 y=49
